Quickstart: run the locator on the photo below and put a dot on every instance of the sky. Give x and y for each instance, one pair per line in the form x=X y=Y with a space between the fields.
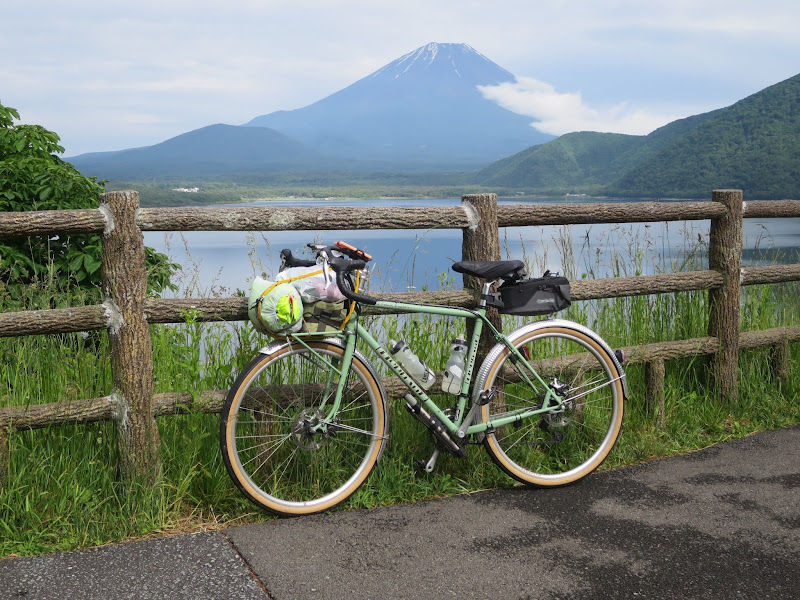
x=113 y=75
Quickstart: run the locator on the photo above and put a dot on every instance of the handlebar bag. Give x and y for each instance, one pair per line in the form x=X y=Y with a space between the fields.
x=532 y=297
x=312 y=283
x=275 y=308
x=326 y=316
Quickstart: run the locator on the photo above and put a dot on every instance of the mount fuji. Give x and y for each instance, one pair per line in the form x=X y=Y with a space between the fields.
x=422 y=109
x=421 y=112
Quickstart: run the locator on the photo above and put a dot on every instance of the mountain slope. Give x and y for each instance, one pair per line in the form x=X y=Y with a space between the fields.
x=209 y=150
x=582 y=161
x=753 y=145
x=574 y=162
x=422 y=108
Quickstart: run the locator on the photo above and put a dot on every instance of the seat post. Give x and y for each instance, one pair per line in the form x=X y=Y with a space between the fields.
x=487 y=289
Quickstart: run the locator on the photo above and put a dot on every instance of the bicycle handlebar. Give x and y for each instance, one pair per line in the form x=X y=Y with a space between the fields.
x=288 y=260
x=335 y=258
x=341 y=267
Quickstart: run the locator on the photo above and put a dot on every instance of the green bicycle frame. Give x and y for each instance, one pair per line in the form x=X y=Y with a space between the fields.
x=353 y=330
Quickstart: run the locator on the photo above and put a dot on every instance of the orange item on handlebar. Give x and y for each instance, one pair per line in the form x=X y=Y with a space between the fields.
x=352 y=251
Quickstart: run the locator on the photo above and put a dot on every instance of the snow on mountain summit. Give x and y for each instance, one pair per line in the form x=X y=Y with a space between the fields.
x=461 y=60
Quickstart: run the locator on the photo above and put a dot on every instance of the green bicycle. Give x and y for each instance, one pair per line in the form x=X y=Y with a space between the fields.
x=307 y=420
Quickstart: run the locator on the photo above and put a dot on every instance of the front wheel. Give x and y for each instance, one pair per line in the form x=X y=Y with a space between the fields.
x=280 y=444
x=560 y=446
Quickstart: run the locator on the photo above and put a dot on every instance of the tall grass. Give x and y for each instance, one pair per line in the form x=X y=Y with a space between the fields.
x=62 y=491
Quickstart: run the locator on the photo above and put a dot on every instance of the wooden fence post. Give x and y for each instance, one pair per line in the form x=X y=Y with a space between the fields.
x=654 y=374
x=481 y=241
x=725 y=257
x=125 y=287
x=779 y=359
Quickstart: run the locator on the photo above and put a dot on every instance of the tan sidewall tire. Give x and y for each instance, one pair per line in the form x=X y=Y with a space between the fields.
x=499 y=456
x=258 y=496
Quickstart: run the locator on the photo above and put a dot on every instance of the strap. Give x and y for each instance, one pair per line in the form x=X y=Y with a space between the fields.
x=291 y=279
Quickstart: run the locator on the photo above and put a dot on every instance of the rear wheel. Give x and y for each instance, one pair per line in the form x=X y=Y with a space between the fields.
x=276 y=444
x=567 y=443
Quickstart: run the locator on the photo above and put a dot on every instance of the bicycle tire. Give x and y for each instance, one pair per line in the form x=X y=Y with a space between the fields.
x=268 y=448
x=563 y=446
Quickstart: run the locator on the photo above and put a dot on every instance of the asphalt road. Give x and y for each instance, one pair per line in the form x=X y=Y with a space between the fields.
x=720 y=523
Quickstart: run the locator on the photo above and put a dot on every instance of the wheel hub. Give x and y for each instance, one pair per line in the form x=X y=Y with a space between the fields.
x=563 y=415
x=305 y=433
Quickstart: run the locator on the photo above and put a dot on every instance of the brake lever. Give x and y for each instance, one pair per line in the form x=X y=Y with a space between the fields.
x=326 y=274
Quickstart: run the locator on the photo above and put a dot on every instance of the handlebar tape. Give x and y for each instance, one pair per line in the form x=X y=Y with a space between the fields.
x=343 y=266
x=291 y=261
x=352 y=251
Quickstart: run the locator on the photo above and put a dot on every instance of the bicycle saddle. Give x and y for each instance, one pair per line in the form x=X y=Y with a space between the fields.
x=491 y=269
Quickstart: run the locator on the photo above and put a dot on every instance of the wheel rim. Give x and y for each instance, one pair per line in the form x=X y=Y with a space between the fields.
x=567 y=443
x=282 y=453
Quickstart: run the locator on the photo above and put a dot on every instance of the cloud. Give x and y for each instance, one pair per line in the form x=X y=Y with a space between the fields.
x=196 y=62
x=558 y=113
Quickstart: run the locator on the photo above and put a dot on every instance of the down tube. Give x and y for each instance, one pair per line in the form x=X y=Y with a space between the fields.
x=446 y=311
x=398 y=370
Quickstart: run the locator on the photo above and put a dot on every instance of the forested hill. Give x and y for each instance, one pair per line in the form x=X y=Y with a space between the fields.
x=752 y=145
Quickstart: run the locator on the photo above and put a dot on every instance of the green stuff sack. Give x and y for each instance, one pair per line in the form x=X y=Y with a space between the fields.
x=275 y=308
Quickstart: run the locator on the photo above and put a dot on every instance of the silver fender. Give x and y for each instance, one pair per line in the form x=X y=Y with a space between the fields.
x=526 y=329
x=280 y=344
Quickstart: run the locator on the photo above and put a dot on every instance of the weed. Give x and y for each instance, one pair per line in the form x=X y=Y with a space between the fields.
x=62 y=491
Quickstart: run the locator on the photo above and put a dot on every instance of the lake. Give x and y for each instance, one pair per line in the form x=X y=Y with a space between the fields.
x=217 y=263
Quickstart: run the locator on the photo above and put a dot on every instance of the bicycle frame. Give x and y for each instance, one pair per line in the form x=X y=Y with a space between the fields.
x=354 y=330
x=305 y=423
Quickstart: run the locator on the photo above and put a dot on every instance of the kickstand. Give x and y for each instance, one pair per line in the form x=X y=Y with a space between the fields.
x=431 y=464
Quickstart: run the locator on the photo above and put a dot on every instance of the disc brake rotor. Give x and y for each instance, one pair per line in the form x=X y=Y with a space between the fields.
x=304 y=434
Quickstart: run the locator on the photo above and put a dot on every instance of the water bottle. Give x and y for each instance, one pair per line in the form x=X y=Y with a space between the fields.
x=413 y=365
x=454 y=371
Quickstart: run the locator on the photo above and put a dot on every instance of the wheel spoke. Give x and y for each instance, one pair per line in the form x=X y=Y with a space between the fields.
x=289 y=454
x=569 y=440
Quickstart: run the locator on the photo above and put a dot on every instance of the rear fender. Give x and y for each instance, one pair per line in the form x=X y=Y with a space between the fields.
x=526 y=329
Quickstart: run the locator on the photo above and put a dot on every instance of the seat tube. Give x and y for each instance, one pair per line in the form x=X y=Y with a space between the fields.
x=477 y=329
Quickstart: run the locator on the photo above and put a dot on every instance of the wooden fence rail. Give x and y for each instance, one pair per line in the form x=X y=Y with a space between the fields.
x=173 y=310
x=126 y=313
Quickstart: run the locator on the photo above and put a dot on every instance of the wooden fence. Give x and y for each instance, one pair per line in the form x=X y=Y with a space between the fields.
x=127 y=313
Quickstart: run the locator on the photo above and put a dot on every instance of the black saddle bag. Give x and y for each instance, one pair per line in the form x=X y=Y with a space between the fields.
x=531 y=297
